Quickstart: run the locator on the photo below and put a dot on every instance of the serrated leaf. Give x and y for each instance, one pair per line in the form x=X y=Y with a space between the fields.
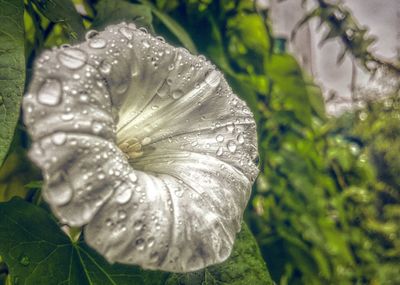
x=12 y=70
x=63 y=12
x=245 y=266
x=174 y=27
x=116 y=11
x=36 y=251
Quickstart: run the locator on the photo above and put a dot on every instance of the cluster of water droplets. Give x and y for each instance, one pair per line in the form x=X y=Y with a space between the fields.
x=143 y=143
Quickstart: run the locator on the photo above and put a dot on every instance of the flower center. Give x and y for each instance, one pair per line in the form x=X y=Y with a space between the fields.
x=132 y=148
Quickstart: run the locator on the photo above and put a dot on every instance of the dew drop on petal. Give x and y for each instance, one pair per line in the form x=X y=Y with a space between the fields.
x=240 y=139
x=105 y=67
x=60 y=194
x=97 y=127
x=163 y=90
x=219 y=138
x=126 y=32
x=231 y=146
x=67 y=116
x=145 y=44
x=146 y=140
x=123 y=194
x=121 y=214
x=138 y=225
x=140 y=244
x=50 y=92
x=122 y=88
x=90 y=34
x=230 y=127
x=72 y=58
x=132 y=177
x=177 y=94
x=97 y=43
x=59 y=138
x=150 y=242
x=213 y=78
x=143 y=30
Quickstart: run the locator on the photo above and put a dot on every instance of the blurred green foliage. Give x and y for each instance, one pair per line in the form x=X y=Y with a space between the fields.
x=326 y=206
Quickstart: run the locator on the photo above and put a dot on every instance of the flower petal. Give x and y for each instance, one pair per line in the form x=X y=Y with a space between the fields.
x=144 y=144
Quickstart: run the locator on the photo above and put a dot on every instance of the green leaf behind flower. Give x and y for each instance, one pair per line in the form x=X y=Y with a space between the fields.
x=12 y=70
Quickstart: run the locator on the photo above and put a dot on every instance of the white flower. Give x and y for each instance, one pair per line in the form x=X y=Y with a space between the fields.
x=144 y=145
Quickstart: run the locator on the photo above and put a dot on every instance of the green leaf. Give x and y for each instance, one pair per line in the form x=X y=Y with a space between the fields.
x=116 y=11
x=38 y=252
x=63 y=12
x=174 y=27
x=244 y=267
x=12 y=70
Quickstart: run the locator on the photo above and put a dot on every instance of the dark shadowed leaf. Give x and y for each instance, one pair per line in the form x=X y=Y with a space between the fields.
x=174 y=27
x=63 y=12
x=12 y=70
x=38 y=252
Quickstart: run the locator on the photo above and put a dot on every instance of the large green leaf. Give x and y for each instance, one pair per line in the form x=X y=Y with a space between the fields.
x=244 y=267
x=116 y=11
x=38 y=252
x=12 y=69
x=64 y=12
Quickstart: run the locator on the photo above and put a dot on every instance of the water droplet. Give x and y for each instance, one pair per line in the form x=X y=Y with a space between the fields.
x=194 y=143
x=91 y=34
x=240 y=139
x=150 y=242
x=163 y=90
x=219 y=138
x=97 y=43
x=132 y=177
x=144 y=30
x=220 y=151
x=84 y=98
x=97 y=127
x=24 y=260
x=213 y=78
x=59 y=138
x=105 y=67
x=126 y=32
x=145 y=44
x=67 y=116
x=140 y=244
x=179 y=192
x=59 y=192
x=123 y=194
x=138 y=225
x=231 y=146
x=121 y=214
x=171 y=67
x=230 y=127
x=146 y=140
x=109 y=222
x=50 y=92
x=122 y=87
x=177 y=94
x=72 y=58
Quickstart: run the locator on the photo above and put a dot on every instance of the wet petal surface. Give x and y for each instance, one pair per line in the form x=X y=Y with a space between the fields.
x=143 y=144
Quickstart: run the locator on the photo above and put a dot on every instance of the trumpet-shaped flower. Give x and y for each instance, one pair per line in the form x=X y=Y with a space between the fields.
x=144 y=145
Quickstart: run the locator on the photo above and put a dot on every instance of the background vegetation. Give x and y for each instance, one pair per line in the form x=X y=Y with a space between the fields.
x=326 y=206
